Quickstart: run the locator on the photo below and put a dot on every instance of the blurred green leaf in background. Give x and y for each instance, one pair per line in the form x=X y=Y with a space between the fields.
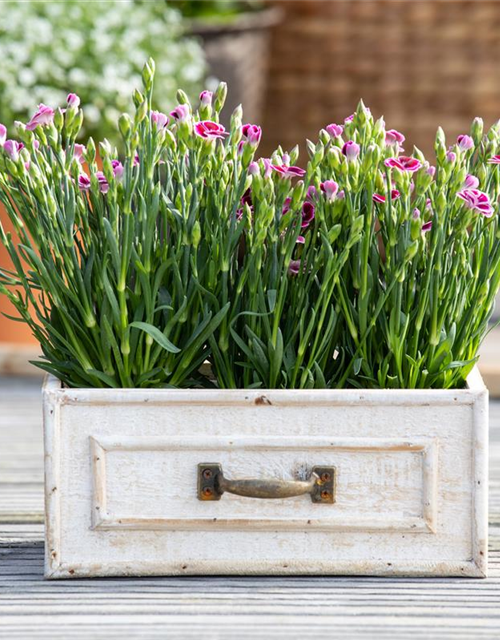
x=216 y=10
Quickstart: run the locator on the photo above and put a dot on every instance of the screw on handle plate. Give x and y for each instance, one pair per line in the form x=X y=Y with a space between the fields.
x=212 y=484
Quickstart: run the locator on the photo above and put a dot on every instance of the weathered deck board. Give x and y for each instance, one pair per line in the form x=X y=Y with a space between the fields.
x=225 y=608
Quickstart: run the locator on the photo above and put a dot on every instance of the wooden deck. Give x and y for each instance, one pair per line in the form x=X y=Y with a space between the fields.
x=212 y=608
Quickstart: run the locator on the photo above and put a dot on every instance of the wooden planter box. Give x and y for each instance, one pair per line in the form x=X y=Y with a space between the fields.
x=391 y=482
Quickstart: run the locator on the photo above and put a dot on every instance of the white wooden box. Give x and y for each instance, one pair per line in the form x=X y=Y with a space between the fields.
x=121 y=474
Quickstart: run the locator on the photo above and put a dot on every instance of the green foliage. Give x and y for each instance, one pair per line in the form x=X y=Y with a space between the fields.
x=370 y=271
x=214 y=9
x=95 y=49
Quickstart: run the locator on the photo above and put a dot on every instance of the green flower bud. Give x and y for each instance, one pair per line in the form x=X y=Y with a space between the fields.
x=76 y=125
x=481 y=173
x=493 y=132
x=141 y=112
x=311 y=148
x=418 y=154
x=371 y=157
x=440 y=137
x=148 y=73
x=236 y=119
x=440 y=202
x=324 y=136
x=334 y=157
x=125 y=125
x=196 y=234
x=379 y=131
x=294 y=154
x=51 y=203
x=182 y=97
x=411 y=251
x=169 y=140
x=220 y=97
x=476 y=130
x=138 y=98
x=362 y=114
x=52 y=134
x=11 y=167
x=23 y=134
x=58 y=120
x=298 y=194
x=319 y=154
x=89 y=154
x=108 y=170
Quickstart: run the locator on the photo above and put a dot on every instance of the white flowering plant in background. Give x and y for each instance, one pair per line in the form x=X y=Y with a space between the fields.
x=96 y=48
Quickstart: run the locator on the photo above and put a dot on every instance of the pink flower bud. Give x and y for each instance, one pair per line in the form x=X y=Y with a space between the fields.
x=451 y=156
x=427 y=226
x=84 y=182
x=286 y=206
x=253 y=169
x=3 y=134
x=12 y=147
x=350 y=150
x=335 y=130
x=159 y=119
x=43 y=116
x=415 y=213
x=300 y=240
x=294 y=267
x=330 y=189
x=73 y=100
x=308 y=212
x=393 y=137
x=494 y=160
x=117 y=169
x=465 y=142
x=471 y=182
x=206 y=98
x=103 y=183
x=268 y=167
x=78 y=151
x=251 y=134
x=431 y=171
x=180 y=113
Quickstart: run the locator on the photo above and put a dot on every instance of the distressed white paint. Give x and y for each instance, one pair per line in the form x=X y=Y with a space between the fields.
x=121 y=467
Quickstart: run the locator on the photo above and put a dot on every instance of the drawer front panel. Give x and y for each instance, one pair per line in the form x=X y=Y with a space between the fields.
x=410 y=483
x=151 y=483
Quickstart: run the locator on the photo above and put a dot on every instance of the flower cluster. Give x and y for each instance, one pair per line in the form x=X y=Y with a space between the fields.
x=99 y=49
x=365 y=266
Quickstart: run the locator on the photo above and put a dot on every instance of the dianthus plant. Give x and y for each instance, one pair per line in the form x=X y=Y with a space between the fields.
x=366 y=268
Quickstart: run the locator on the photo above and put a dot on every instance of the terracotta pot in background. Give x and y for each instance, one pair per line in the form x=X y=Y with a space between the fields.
x=11 y=332
x=238 y=53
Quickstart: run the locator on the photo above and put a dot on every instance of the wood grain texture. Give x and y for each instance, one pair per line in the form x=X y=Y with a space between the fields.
x=408 y=60
x=121 y=482
x=231 y=608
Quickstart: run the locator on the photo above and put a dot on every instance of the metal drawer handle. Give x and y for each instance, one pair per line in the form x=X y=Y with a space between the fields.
x=212 y=484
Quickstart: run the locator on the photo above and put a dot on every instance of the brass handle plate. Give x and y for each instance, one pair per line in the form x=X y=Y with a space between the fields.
x=212 y=484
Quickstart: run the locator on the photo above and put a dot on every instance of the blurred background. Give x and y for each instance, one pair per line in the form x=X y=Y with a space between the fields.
x=295 y=65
